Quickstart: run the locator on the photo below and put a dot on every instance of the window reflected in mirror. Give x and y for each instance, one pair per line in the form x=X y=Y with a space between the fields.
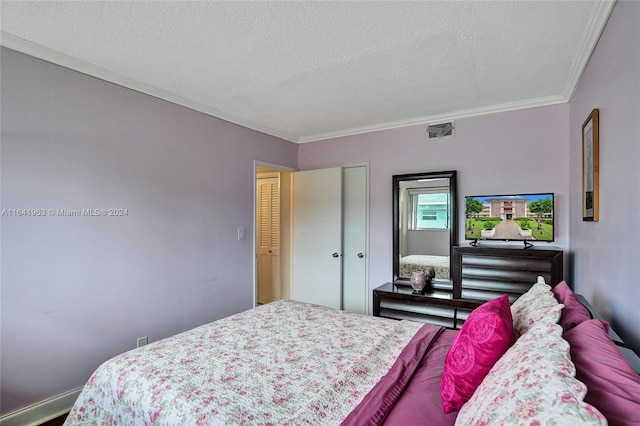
x=424 y=224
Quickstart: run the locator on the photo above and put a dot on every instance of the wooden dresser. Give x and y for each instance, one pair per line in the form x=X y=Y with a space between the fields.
x=399 y=301
x=478 y=274
x=488 y=272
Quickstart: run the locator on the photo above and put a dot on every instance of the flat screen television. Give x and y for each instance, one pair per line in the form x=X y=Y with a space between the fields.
x=510 y=217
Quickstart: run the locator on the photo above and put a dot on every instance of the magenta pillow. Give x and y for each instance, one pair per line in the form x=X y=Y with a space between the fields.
x=484 y=337
x=612 y=382
x=573 y=312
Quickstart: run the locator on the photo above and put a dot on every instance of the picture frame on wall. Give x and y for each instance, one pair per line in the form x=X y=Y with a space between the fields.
x=590 y=153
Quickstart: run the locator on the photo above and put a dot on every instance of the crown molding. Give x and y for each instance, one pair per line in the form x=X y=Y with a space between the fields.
x=467 y=113
x=49 y=55
x=597 y=22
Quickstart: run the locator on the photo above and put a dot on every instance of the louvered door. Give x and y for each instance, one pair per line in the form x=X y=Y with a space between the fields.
x=268 y=235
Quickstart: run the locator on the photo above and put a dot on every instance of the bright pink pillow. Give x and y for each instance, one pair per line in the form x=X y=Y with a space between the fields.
x=612 y=382
x=573 y=312
x=484 y=337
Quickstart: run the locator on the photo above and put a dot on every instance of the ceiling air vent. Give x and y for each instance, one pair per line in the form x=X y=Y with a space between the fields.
x=440 y=130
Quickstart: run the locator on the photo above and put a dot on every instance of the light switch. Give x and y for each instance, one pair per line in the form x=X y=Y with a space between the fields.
x=240 y=234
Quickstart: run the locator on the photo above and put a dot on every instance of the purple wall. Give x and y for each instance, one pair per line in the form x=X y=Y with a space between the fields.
x=519 y=151
x=78 y=290
x=606 y=257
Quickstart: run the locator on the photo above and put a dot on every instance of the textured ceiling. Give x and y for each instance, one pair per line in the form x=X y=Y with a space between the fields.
x=307 y=71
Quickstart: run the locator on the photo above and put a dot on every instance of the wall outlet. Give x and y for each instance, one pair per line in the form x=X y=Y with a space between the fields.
x=142 y=341
x=240 y=234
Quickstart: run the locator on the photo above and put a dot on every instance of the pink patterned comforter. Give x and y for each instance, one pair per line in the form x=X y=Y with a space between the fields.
x=284 y=363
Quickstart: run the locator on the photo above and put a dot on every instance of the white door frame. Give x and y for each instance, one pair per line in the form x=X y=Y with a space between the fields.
x=256 y=164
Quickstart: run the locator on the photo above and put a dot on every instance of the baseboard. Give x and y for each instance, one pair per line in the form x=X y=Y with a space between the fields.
x=42 y=411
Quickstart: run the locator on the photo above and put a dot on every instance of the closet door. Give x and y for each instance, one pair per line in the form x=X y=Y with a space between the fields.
x=354 y=261
x=317 y=237
x=268 y=232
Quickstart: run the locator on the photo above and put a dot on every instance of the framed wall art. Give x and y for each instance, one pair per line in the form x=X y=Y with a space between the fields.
x=590 y=168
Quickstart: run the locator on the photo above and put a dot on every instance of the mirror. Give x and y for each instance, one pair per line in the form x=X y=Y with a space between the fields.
x=425 y=224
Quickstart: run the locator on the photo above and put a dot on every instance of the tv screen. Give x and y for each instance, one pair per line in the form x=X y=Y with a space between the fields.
x=513 y=217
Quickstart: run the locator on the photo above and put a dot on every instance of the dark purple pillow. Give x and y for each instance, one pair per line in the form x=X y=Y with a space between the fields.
x=573 y=312
x=612 y=382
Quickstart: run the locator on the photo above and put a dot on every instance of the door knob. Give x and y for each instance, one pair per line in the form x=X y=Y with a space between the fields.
x=335 y=254
x=360 y=255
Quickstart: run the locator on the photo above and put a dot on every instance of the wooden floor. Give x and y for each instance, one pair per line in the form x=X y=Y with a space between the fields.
x=58 y=421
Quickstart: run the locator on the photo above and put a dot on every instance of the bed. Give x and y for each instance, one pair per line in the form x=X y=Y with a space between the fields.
x=418 y=262
x=292 y=363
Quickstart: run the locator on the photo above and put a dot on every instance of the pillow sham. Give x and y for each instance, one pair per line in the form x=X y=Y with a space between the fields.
x=613 y=383
x=536 y=305
x=482 y=340
x=573 y=312
x=533 y=383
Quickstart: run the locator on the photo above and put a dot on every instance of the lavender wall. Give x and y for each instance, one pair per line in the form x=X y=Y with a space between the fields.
x=78 y=290
x=606 y=260
x=519 y=151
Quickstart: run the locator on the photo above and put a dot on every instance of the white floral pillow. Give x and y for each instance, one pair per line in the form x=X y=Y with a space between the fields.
x=537 y=304
x=532 y=384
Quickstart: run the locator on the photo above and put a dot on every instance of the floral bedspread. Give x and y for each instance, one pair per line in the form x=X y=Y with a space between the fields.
x=285 y=363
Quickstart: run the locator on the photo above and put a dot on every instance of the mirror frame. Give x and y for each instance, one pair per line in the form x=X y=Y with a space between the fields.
x=451 y=175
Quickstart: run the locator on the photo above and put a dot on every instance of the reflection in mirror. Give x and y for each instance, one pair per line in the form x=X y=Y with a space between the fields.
x=424 y=224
